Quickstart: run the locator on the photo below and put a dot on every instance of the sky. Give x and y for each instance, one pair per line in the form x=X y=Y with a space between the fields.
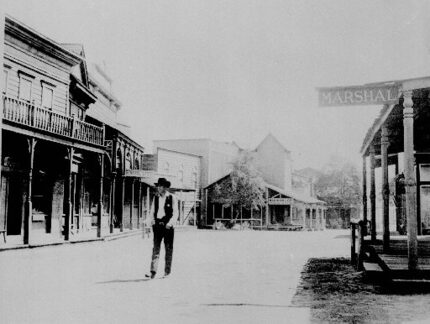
x=238 y=70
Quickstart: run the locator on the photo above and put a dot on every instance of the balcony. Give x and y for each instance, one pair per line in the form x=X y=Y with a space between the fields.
x=23 y=113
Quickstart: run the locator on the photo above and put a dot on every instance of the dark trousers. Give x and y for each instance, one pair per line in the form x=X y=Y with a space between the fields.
x=167 y=234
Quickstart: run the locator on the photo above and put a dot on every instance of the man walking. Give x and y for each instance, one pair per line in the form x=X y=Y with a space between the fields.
x=163 y=215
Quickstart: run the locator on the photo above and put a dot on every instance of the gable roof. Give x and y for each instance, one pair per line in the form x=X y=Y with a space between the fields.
x=268 y=137
x=296 y=196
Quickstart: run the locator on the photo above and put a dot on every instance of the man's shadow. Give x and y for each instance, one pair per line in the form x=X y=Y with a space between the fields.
x=124 y=280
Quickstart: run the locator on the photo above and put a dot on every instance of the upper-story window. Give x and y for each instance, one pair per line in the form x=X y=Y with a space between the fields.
x=195 y=177
x=181 y=173
x=166 y=168
x=128 y=165
x=47 y=96
x=5 y=80
x=118 y=162
x=136 y=164
x=25 y=85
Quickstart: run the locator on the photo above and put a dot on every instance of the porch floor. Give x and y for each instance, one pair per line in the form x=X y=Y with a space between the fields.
x=394 y=262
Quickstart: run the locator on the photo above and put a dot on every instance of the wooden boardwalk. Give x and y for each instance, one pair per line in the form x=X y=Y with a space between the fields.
x=393 y=264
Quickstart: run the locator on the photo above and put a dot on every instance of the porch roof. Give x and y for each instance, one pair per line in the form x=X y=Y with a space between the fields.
x=392 y=116
x=296 y=196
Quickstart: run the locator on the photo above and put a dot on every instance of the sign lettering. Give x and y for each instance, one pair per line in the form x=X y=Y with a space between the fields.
x=358 y=95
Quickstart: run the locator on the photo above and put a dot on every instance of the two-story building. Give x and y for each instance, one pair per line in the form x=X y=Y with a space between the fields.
x=285 y=205
x=52 y=158
x=216 y=160
x=183 y=171
x=125 y=193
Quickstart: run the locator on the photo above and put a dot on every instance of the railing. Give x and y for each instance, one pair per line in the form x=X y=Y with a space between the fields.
x=24 y=113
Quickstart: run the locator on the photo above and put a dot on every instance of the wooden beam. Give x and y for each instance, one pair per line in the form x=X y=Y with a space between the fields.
x=364 y=179
x=385 y=189
x=100 y=209
x=112 y=197
x=410 y=183
x=29 y=204
x=131 y=204
x=69 y=211
x=372 y=194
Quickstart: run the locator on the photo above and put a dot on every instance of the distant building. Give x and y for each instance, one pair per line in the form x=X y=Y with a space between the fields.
x=286 y=205
x=183 y=171
x=216 y=161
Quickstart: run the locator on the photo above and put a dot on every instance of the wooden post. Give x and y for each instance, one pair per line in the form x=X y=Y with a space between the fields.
x=139 y=206
x=113 y=195
x=410 y=183
x=69 y=211
x=131 y=204
x=304 y=217
x=100 y=209
x=2 y=78
x=122 y=203
x=148 y=202
x=195 y=208
x=29 y=204
x=267 y=208
x=385 y=188
x=364 y=190
x=372 y=194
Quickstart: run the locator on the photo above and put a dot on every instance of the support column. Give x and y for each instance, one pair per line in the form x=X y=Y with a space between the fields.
x=267 y=208
x=122 y=203
x=372 y=194
x=385 y=189
x=131 y=204
x=311 y=219
x=303 y=217
x=410 y=182
x=2 y=78
x=139 y=206
x=69 y=211
x=112 y=209
x=100 y=209
x=148 y=204
x=29 y=204
x=364 y=191
x=195 y=208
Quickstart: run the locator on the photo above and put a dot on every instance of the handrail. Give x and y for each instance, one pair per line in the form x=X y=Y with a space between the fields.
x=26 y=113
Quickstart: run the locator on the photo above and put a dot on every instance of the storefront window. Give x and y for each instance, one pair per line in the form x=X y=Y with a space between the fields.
x=425 y=207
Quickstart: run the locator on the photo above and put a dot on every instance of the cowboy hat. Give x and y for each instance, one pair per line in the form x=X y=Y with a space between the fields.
x=162 y=182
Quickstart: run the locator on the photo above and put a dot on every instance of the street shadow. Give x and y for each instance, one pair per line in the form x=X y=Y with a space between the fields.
x=246 y=304
x=124 y=281
x=343 y=236
x=335 y=292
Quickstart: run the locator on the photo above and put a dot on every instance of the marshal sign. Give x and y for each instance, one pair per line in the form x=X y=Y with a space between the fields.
x=358 y=95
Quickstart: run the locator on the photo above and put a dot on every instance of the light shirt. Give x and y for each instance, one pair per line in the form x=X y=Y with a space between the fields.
x=161 y=213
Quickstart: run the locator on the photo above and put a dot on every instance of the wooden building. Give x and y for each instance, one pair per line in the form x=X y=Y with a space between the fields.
x=216 y=162
x=285 y=206
x=396 y=154
x=51 y=156
x=183 y=171
x=68 y=167
x=125 y=193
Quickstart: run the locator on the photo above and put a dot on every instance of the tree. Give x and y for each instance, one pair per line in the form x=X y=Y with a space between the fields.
x=245 y=186
x=339 y=185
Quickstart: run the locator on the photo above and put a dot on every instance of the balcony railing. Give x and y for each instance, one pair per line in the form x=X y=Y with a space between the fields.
x=24 y=113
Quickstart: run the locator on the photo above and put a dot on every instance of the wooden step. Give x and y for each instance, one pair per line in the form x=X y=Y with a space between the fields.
x=372 y=267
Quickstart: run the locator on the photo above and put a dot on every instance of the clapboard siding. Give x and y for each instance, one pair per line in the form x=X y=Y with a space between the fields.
x=177 y=161
x=34 y=58
x=60 y=94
